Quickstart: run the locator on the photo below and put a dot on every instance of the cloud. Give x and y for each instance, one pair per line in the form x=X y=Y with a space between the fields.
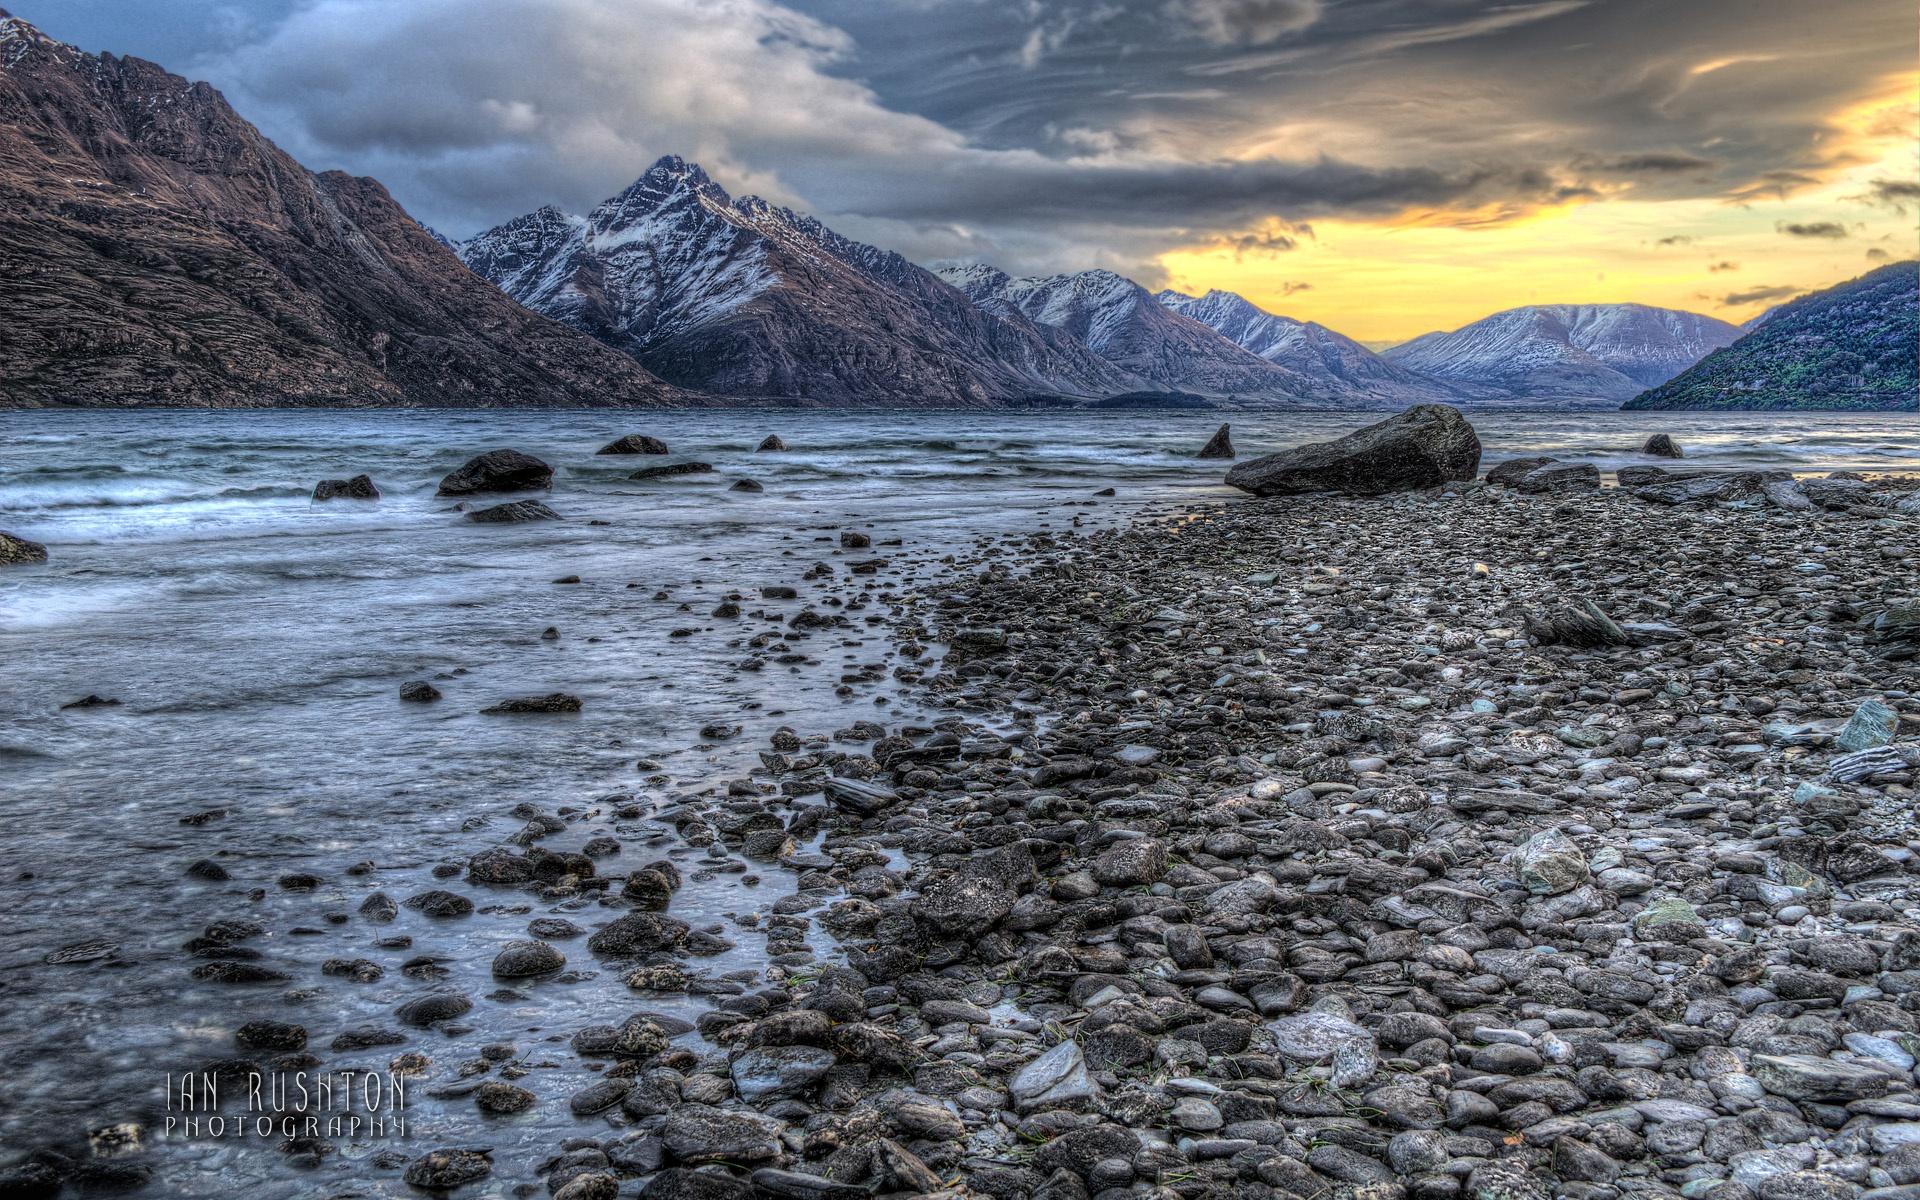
x=1291 y=286
x=1756 y=295
x=1047 y=134
x=1245 y=22
x=1717 y=268
x=1638 y=164
x=1675 y=239
x=1811 y=229
x=1876 y=254
x=1895 y=194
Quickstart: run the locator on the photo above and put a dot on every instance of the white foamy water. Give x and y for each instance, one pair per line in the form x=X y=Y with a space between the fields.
x=256 y=642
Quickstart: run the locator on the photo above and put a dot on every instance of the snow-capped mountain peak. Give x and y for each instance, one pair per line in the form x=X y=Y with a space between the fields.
x=1593 y=351
x=746 y=297
x=1330 y=359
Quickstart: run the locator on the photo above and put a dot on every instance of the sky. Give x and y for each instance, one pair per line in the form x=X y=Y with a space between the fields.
x=1384 y=167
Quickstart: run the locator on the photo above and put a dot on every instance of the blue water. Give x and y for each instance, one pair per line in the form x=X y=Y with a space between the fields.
x=256 y=641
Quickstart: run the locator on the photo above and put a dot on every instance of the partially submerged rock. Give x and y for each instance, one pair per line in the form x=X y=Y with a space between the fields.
x=360 y=487
x=1220 y=445
x=1662 y=445
x=498 y=471
x=668 y=470
x=514 y=511
x=15 y=551
x=552 y=702
x=1425 y=446
x=634 y=443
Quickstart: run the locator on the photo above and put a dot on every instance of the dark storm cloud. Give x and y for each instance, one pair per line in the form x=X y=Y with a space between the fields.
x=1811 y=229
x=1756 y=295
x=1052 y=132
x=1640 y=164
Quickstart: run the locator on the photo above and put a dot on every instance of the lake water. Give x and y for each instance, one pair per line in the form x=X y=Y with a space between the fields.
x=256 y=642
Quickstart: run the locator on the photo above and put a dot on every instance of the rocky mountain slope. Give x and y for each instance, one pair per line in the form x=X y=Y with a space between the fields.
x=156 y=249
x=1122 y=322
x=1594 y=352
x=1332 y=360
x=1849 y=347
x=749 y=299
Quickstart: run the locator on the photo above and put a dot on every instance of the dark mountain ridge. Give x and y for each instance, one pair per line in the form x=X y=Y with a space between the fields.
x=156 y=249
x=1852 y=346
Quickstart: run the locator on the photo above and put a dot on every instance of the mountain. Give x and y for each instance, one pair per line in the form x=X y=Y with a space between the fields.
x=1567 y=351
x=1849 y=347
x=1316 y=352
x=745 y=298
x=156 y=249
x=1123 y=323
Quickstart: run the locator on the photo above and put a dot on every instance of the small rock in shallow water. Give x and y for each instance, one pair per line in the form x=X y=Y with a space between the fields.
x=444 y=1170
x=553 y=702
x=419 y=691
x=17 y=551
x=514 y=511
x=634 y=443
x=498 y=471
x=360 y=487
x=518 y=960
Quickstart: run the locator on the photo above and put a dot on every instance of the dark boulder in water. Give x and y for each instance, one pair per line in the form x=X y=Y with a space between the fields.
x=1662 y=445
x=634 y=443
x=419 y=691
x=771 y=442
x=1220 y=445
x=1425 y=446
x=553 y=702
x=360 y=487
x=90 y=700
x=514 y=510
x=498 y=471
x=15 y=551
x=746 y=485
x=662 y=472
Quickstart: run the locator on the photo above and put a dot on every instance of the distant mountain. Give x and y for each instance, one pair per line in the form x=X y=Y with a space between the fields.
x=744 y=298
x=1852 y=346
x=1332 y=360
x=1123 y=323
x=156 y=249
x=1567 y=351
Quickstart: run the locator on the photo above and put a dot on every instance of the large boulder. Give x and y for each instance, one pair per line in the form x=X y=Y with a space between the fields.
x=1425 y=446
x=15 y=551
x=1662 y=445
x=498 y=471
x=1220 y=445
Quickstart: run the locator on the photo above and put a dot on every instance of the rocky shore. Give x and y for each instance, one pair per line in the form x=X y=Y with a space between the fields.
x=1466 y=842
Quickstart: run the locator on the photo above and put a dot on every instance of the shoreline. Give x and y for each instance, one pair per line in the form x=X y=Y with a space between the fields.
x=1313 y=847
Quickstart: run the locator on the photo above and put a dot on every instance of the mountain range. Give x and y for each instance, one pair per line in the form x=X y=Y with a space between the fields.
x=155 y=248
x=742 y=298
x=1852 y=346
x=1567 y=351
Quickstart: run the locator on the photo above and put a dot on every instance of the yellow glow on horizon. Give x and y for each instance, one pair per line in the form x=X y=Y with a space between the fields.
x=1398 y=277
